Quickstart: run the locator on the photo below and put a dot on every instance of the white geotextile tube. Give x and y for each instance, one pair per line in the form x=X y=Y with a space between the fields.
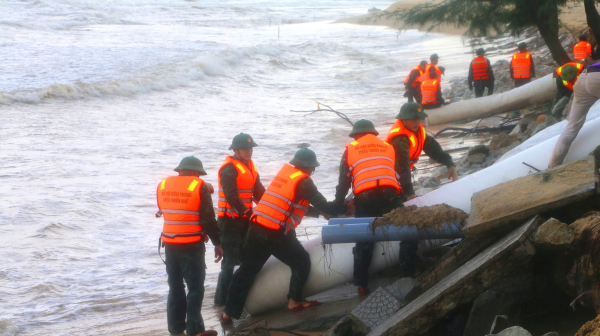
x=330 y=267
x=458 y=194
x=536 y=92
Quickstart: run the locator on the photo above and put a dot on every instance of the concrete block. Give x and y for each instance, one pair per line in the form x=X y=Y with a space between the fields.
x=401 y=288
x=377 y=308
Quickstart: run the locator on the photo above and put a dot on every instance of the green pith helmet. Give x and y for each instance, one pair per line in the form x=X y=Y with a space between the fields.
x=305 y=157
x=363 y=126
x=583 y=37
x=522 y=45
x=411 y=111
x=191 y=163
x=434 y=57
x=568 y=72
x=480 y=51
x=241 y=141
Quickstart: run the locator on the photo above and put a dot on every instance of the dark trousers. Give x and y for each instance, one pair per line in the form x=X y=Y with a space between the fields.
x=480 y=85
x=185 y=262
x=371 y=203
x=232 y=233
x=261 y=243
x=412 y=94
x=522 y=81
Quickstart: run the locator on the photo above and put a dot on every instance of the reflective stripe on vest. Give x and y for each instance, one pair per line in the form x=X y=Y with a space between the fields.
x=415 y=83
x=521 y=65
x=569 y=84
x=371 y=164
x=429 y=90
x=277 y=208
x=480 y=68
x=416 y=142
x=582 y=50
x=245 y=181
x=179 y=199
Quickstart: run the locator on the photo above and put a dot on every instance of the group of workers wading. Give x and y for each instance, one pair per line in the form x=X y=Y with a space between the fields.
x=379 y=173
x=423 y=82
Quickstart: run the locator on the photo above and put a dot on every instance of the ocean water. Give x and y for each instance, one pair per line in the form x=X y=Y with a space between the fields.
x=99 y=100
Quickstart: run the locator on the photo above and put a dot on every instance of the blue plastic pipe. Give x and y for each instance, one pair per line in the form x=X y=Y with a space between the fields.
x=362 y=233
x=361 y=220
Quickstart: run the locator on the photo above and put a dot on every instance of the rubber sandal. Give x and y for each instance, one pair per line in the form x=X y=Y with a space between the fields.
x=310 y=304
x=209 y=333
x=298 y=308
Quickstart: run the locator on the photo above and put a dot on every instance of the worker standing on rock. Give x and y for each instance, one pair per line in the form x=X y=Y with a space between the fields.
x=566 y=77
x=411 y=83
x=409 y=139
x=521 y=66
x=587 y=92
x=239 y=186
x=368 y=167
x=272 y=232
x=434 y=58
x=431 y=89
x=426 y=74
x=583 y=49
x=481 y=74
x=187 y=207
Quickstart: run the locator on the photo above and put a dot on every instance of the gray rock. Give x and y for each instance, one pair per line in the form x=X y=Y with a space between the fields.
x=479 y=149
x=513 y=331
x=557 y=110
x=554 y=233
x=401 y=288
x=476 y=158
x=377 y=308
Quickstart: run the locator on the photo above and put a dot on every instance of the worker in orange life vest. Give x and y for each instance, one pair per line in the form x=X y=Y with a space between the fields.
x=431 y=90
x=411 y=83
x=367 y=167
x=239 y=186
x=566 y=77
x=186 y=205
x=409 y=139
x=481 y=74
x=583 y=49
x=522 y=68
x=272 y=232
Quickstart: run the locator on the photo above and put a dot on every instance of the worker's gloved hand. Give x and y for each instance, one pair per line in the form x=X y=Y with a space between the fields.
x=210 y=187
x=218 y=253
x=452 y=174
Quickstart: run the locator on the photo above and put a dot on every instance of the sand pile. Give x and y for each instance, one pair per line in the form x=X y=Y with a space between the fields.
x=423 y=217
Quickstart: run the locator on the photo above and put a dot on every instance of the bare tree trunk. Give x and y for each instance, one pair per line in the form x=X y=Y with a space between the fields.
x=593 y=18
x=547 y=23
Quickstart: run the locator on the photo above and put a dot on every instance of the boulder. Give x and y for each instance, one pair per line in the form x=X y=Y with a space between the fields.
x=553 y=233
x=513 y=331
x=479 y=149
x=503 y=140
x=476 y=158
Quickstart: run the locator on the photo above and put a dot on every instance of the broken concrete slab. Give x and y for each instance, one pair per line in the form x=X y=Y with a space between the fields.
x=376 y=308
x=401 y=288
x=513 y=331
x=464 y=284
x=553 y=233
x=502 y=207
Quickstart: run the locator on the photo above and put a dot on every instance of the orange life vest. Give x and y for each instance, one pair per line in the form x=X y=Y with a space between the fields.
x=582 y=50
x=416 y=141
x=521 y=65
x=480 y=68
x=371 y=162
x=278 y=207
x=415 y=83
x=178 y=199
x=425 y=75
x=569 y=84
x=245 y=180
x=429 y=90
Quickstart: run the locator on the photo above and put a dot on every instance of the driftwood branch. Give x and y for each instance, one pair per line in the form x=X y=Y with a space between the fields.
x=327 y=109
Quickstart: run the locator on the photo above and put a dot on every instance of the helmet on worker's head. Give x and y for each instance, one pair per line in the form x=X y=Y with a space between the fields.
x=522 y=45
x=191 y=163
x=242 y=141
x=480 y=52
x=411 y=111
x=583 y=37
x=434 y=57
x=304 y=157
x=363 y=126
x=568 y=72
